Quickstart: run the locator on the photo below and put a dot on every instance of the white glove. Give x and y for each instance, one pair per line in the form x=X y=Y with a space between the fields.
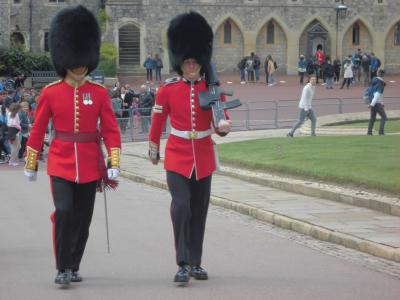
x=112 y=173
x=225 y=126
x=32 y=176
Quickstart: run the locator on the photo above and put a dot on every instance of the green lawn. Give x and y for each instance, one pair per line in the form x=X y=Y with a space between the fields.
x=391 y=126
x=365 y=161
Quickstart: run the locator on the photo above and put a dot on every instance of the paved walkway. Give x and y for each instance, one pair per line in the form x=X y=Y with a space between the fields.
x=360 y=220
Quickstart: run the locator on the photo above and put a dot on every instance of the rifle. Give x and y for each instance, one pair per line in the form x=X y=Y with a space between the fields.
x=211 y=99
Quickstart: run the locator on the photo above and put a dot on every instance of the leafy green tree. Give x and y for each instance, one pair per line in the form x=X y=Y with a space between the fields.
x=18 y=61
x=102 y=18
x=108 y=52
x=108 y=58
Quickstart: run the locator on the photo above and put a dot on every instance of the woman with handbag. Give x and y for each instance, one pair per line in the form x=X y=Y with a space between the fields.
x=14 y=127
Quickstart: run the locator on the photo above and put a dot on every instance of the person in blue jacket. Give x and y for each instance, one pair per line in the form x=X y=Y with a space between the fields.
x=376 y=106
x=302 y=68
x=149 y=64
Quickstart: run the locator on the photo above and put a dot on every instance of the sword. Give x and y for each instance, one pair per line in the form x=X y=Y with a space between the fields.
x=106 y=215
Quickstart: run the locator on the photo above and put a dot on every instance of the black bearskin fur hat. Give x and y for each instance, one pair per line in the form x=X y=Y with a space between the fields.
x=74 y=40
x=189 y=36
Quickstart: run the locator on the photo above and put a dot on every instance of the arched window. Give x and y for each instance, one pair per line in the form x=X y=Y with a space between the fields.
x=46 y=42
x=356 y=34
x=397 y=34
x=17 y=40
x=270 y=33
x=227 y=32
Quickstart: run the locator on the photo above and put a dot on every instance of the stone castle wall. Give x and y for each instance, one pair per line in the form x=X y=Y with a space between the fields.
x=248 y=19
x=4 y=24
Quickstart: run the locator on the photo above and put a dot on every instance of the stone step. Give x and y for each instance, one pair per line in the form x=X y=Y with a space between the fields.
x=130 y=71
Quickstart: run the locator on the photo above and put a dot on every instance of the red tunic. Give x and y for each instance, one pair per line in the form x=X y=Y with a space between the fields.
x=320 y=56
x=184 y=155
x=75 y=110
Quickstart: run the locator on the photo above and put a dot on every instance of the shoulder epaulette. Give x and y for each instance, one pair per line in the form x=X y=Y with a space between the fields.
x=53 y=83
x=96 y=83
x=171 y=80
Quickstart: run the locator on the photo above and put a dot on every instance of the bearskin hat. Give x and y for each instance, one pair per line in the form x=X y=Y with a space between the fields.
x=189 y=36
x=74 y=40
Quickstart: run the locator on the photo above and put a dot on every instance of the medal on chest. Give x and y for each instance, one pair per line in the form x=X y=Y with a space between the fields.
x=87 y=99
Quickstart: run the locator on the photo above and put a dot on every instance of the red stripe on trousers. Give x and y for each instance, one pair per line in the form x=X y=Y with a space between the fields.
x=53 y=221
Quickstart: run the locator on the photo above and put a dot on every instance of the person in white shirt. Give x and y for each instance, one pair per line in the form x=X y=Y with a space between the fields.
x=306 y=108
x=376 y=106
x=348 y=72
x=14 y=127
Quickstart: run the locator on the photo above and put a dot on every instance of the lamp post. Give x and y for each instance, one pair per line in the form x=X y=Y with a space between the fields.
x=30 y=24
x=341 y=10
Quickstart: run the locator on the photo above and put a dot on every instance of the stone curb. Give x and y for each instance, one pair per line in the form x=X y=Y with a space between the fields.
x=319 y=192
x=308 y=190
x=283 y=221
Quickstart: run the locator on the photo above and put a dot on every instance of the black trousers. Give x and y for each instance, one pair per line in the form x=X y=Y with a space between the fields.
x=74 y=205
x=346 y=80
x=377 y=109
x=337 y=75
x=318 y=72
x=149 y=75
x=23 y=147
x=189 y=206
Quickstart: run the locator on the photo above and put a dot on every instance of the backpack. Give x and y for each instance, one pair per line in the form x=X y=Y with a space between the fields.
x=249 y=65
x=275 y=65
x=241 y=64
x=310 y=67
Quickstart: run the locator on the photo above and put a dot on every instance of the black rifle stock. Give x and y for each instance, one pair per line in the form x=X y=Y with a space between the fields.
x=211 y=99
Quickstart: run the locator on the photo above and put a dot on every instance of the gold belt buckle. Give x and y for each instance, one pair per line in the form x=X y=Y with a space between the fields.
x=193 y=135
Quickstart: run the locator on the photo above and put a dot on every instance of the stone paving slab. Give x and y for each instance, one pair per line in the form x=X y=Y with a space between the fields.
x=357 y=197
x=355 y=227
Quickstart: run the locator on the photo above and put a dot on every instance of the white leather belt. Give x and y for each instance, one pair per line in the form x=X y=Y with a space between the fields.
x=191 y=135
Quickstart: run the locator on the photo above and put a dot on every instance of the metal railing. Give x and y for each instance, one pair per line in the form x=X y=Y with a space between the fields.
x=255 y=115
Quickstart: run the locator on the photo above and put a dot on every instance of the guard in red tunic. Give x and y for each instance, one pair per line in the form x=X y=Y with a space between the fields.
x=189 y=155
x=82 y=116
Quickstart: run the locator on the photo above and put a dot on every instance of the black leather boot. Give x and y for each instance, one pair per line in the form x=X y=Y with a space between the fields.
x=63 y=277
x=198 y=273
x=76 y=277
x=182 y=275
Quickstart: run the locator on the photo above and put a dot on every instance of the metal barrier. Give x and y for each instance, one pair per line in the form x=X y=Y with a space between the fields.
x=255 y=115
x=41 y=78
x=135 y=124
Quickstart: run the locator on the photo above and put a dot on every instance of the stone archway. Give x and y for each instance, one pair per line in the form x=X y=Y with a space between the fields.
x=17 y=40
x=314 y=35
x=271 y=40
x=392 y=49
x=129 y=45
x=357 y=37
x=228 y=46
